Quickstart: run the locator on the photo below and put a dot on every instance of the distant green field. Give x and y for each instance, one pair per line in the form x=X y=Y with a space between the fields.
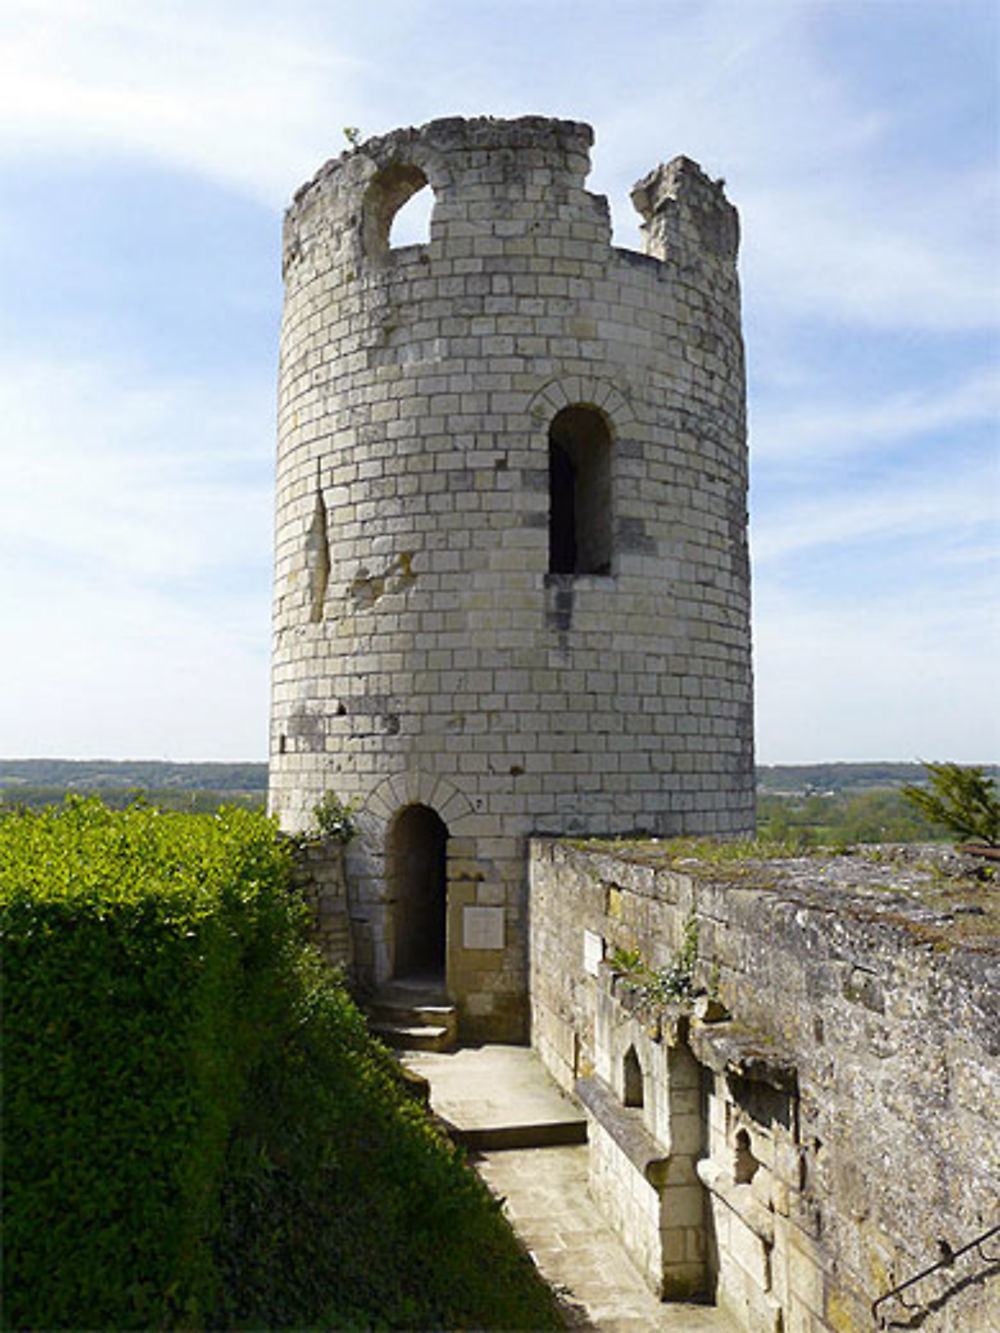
x=195 y=788
x=838 y=805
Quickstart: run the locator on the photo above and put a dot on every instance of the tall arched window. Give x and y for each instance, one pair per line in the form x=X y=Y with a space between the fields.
x=580 y=518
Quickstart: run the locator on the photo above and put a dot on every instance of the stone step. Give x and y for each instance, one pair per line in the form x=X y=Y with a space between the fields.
x=499 y=1097
x=538 y=1134
x=413 y=1014
x=414 y=1036
x=384 y=1011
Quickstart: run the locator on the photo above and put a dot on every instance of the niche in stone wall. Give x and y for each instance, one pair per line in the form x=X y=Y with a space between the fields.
x=317 y=555
x=632 y=1084
x=745 y=1165
x=396 y=210
x=580 y=519
x=750 y=1172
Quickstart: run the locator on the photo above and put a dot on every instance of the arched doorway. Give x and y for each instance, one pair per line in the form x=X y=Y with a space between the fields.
x=418 y=880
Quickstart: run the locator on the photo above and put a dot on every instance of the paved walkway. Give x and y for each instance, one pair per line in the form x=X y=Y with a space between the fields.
x=545 y=1189
x=498 y=1097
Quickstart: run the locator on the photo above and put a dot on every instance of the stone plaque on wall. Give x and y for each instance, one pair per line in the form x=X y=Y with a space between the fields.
x=482 y=927
x=593 y=952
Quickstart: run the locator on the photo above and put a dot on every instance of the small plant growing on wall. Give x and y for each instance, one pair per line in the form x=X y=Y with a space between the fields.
x=334 y=819
x=657 y=988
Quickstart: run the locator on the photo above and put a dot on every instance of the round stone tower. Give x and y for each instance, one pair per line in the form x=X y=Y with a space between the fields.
x=512 y=591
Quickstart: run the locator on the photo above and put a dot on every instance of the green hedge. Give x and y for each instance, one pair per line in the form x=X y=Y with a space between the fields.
x=143 y=964
x=199 y=1131
x=372 y=1218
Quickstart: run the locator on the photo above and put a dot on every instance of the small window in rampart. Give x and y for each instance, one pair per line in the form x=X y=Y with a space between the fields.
x=397 y=208
x=579 y=492
x=633 y=1093
x=744 y=1163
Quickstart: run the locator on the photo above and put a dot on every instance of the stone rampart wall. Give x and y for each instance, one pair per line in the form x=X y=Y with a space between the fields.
x=320 y=879
x=862 y=1063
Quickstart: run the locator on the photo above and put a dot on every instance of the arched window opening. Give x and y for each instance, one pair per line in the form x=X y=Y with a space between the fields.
x=418 y=881
x=633 y=1091
x=579 y=492
x=744 y=1163
x=411 y=224
x=384 y=202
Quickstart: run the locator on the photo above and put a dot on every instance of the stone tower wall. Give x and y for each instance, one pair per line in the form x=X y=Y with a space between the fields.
x=424 y=653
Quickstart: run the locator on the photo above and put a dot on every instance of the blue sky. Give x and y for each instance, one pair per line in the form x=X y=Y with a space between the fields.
x=148 y=149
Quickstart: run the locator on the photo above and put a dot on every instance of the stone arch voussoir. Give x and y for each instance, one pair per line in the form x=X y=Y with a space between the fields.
x=414 y=787
x=585 y=391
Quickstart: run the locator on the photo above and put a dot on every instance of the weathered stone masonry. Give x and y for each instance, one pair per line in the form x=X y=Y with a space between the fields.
x=511 y=589
x=848 y=1116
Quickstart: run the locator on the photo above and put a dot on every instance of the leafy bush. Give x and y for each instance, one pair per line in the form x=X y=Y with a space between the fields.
x=963 y=800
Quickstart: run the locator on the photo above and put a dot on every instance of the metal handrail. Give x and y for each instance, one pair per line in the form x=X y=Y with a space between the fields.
x=948 y=1257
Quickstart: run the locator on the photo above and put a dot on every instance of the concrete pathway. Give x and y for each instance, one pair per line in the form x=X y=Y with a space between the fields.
x=505 y=1088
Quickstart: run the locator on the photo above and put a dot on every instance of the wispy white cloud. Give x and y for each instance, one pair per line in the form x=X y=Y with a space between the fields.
x=135 y=530
x=885 y=511
x=810 y=428
x=233 y=93
x=160 y=481
x=857 y=250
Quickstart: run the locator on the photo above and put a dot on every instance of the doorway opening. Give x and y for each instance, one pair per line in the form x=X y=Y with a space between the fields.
x=418 y=882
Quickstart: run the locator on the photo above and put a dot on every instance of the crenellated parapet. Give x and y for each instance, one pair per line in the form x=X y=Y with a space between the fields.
x=489 y=177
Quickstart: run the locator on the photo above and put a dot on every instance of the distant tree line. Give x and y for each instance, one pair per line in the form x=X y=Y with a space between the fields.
x=840 y=819
x=195 y=788
x=807 y=779
x=813 y=804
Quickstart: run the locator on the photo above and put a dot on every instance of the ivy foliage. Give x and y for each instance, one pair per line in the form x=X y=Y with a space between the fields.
x=199 y=1132
x=334 y=819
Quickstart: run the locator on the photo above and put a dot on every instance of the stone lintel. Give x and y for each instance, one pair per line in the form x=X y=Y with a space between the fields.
x=735 y=1049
